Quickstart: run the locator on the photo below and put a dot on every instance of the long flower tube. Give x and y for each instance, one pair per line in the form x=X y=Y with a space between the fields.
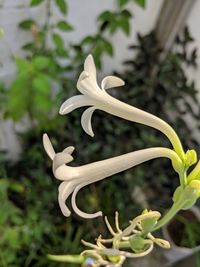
x=98 y=98
x=74 y=178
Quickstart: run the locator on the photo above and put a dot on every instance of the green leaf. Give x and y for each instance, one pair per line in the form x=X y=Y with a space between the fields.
x=36 y=2
x=23 y=65
x=62 y=5
x=106 y=16
x=58 y=41
x=64 y=26
x=41 y=62
x=88 y=40
x=62 y=52
x=108 y=47
x=124 y=25
x=29 y=46
x=141 y=3
x=122 y=2
x=41 y=83
x=26 y=24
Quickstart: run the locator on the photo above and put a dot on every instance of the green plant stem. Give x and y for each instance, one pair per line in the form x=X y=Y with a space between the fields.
x=176 y=207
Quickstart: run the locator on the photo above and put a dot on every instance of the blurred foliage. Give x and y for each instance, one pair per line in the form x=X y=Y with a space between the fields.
x=31 y=224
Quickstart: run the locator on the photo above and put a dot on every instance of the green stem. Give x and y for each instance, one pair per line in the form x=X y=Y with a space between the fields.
x=176 y=207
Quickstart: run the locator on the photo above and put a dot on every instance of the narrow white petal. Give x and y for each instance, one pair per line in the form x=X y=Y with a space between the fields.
x=86 y=121
x=74 y=102
x=69 y=150
x=77 y=210
x=82 y=76
x=64 y=190
x=111 y=81
x=48 y=146
x=89 y=66
x=61 y=159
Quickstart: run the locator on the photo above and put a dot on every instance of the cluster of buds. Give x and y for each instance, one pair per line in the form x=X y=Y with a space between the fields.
x=134 y=241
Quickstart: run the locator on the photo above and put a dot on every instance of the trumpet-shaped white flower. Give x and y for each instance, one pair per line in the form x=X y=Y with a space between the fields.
x=98 y=98
x=74 y=178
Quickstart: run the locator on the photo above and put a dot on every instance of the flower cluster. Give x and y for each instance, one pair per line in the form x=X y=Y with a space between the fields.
x=133 y=242
x=137 y=237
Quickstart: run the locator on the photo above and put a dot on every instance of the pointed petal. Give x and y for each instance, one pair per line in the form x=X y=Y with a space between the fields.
x=89 y=66
x=74 y=102
x=111 y=81
x=86 y=121
x=69 y=150
x=59 y=160
x=48 y=146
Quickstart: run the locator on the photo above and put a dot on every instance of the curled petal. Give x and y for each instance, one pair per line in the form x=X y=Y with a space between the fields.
x=86 y=121
x=48 y=146
x=74 y=102
x=89 y=66
x=162 y=243
x=77 y=210
x=111 y=81
x=64 y=190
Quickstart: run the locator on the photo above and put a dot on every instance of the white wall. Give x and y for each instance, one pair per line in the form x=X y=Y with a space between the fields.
x=82 y=15
x=193 y=22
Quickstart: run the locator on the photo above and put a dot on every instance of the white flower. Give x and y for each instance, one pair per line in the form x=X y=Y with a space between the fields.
x=74 y=178
x=97 y=98
x=92 y=94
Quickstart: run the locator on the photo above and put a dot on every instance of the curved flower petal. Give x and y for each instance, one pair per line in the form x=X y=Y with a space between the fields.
x=74 y=102
x=65 y=189
x=89 y=66
x=82 y=76
x=86 y=121
x=77 y=210
x=111 y=81
x=48 y=146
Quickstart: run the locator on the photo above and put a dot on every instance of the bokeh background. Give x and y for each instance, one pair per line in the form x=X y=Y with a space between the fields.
x=154 y=46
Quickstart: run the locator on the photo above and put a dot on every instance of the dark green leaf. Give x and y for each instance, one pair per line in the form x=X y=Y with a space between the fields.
x=62 y=5
x=58 y=41
x=88 y=40
x=141 y=3
x=26 y=24
x=122 y=2
x=62 y=52
x=28 y=46
x=124 y=24
x=64 y=26
x=108 y=47
x=36 y=2
x=106 y=16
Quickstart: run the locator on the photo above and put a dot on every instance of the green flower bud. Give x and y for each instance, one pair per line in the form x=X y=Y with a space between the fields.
x=190 y=158
x=137 y=243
